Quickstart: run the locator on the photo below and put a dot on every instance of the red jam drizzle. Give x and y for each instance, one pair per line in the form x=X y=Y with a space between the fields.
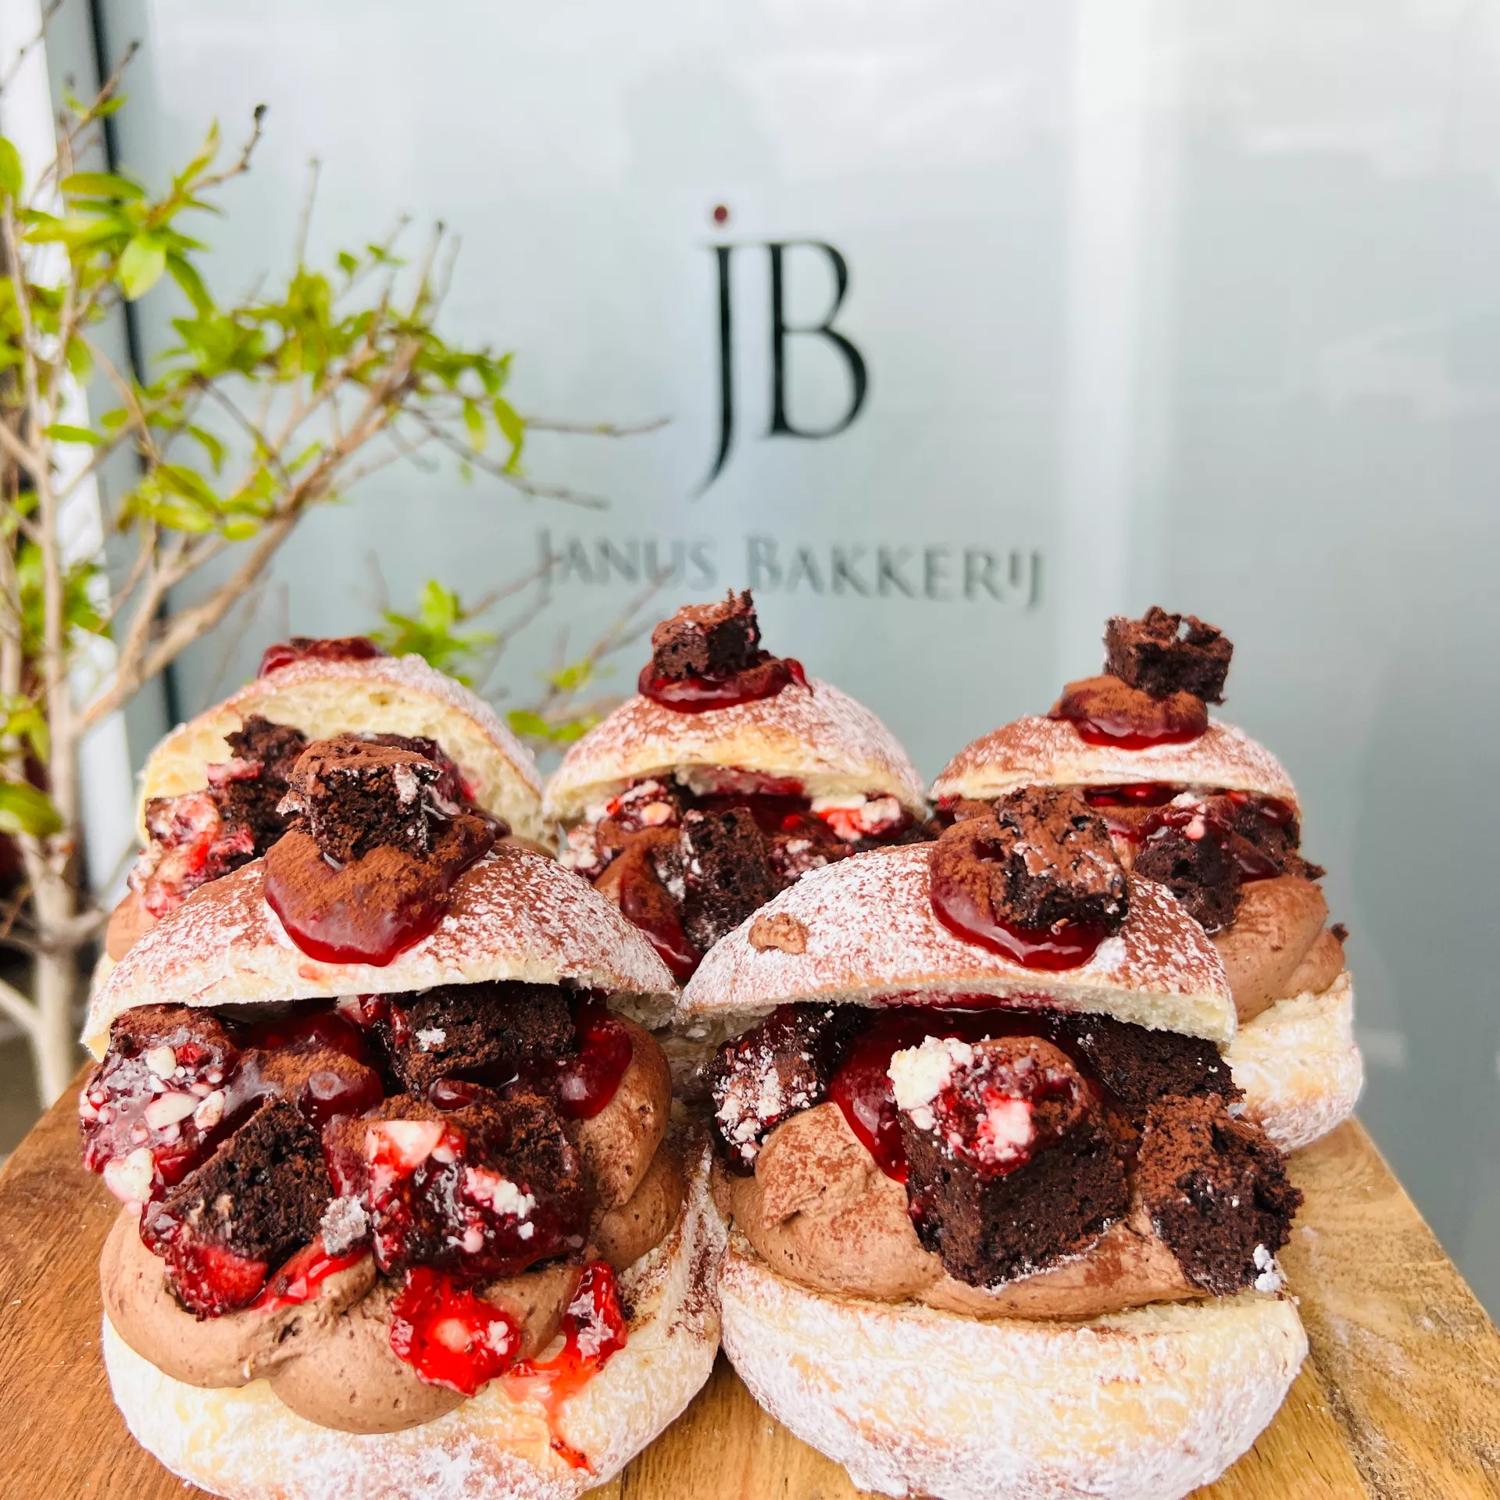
x=587 y=1081
x=1131 y=794
x=299 y=1279
x=1123 y=734
x=450 y=1336
x=696 y=695
x=1065 y=946
x=594 y=1329
x=316 y=648
x=340 y=934
x=662 y=928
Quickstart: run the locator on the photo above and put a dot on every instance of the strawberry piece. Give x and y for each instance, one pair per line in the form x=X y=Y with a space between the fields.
x=450 y=1336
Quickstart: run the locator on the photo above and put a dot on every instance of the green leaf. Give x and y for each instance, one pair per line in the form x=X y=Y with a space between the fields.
x=513 y=425
x=191 y=486
x=474 y=422
x=568 y=679
x=528 y=722
x=66 y=434
x=11 y=176
x=80 y=360
x=141 y=265
x=185 y=274
x=101 y=185
x=25 y=809
x=211 y=444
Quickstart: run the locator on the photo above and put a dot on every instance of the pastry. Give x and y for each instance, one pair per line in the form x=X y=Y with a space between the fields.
x=401 y=1214
x=728 y=775
x=1200 y=806
x=996 y=1223
x=211 y=790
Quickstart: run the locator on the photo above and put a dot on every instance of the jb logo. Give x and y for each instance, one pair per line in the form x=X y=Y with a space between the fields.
x=782 y=422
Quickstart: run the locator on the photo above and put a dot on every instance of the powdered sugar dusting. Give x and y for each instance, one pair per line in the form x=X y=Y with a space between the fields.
x=1036 y=750
x=514 y=915
x=1142 y=1405
x=1299 y=1065
x=872 y=938
x=818 y=734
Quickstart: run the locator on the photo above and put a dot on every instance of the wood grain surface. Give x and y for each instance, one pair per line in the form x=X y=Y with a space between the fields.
x=1400 y=1397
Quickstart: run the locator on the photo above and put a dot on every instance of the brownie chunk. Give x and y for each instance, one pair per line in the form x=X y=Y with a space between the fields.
x=1217 y=1192
x=448 y=789
x=1011 y=1165
x=1164 y=653
x=230 y=1221
x=1139 y=1066
x=725 y=870
x=480 y=1192
x=1271 y=827
x=1043 y=857
x=707 y=640
x=476 y=1031
x=354 y=795
x=1192 y=859
x=249 y=788
x=774 y=1070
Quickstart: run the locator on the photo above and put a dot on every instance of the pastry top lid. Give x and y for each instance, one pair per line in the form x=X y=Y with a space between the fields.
x=513 y=915
x=864 y=931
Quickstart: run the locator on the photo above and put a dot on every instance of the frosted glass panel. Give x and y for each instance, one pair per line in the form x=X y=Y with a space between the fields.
x=1025 y=314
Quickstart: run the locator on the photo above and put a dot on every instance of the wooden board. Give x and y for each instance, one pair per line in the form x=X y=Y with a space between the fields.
x=1400 y=1397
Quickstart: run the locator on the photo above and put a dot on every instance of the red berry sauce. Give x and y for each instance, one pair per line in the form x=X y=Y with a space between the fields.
x=646 y=910
x=299 y=1279
x=696 y=695
x=342 y=931
x=317 y=648
x=1064 y=946
x=594 y=1329
x=587 y=1081
x=450 y=1336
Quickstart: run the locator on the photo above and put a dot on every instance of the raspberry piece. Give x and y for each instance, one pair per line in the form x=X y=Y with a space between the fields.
x=159 y=1101
x=449 y=1336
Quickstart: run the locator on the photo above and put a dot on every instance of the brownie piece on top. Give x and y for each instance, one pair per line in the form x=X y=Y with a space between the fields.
x=707 y=640
x=1164 y=653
